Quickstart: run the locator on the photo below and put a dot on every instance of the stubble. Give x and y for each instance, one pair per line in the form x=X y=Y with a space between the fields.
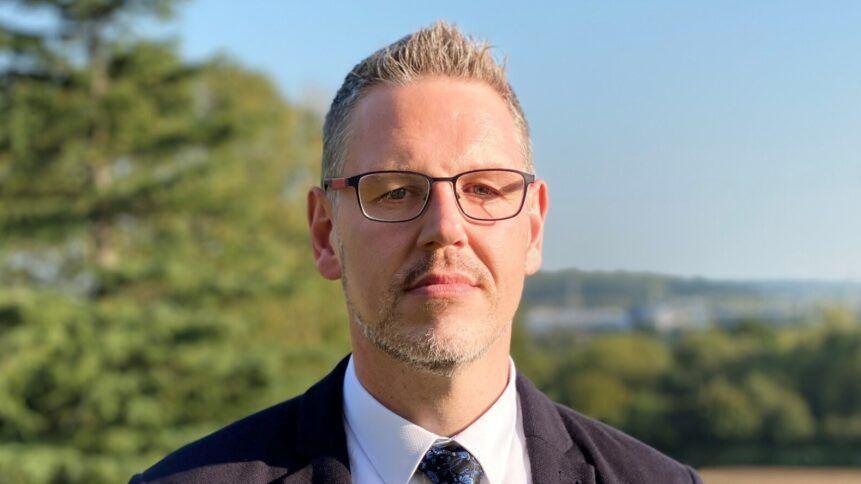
x=427 y=347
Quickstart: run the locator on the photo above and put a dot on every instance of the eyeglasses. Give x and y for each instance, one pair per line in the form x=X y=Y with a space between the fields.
x=401 y=196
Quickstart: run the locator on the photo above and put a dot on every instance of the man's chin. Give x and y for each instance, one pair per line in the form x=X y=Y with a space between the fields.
x=441 y=358
x=435 y=312
x=439 y=346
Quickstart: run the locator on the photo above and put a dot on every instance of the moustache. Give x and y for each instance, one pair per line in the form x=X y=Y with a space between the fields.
x=433 y=263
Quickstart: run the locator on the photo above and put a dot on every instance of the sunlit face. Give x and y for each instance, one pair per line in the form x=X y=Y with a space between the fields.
x=437 y=291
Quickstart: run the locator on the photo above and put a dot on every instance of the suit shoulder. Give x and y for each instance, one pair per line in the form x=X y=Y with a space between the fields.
x=258 y=443
x=622 y=456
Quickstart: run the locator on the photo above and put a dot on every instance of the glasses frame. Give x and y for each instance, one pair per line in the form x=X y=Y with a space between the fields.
x=353 y=181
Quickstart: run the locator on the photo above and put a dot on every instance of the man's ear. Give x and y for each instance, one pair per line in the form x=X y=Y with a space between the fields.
x=537 y=203
x=320 y=223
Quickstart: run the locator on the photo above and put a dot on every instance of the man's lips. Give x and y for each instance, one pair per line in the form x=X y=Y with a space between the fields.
x=441 y=284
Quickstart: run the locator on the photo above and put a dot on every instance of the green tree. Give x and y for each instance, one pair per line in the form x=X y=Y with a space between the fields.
x=598 y=395
x=634 y=358
x=786 y=417
x=154 y=273
x=729 y=414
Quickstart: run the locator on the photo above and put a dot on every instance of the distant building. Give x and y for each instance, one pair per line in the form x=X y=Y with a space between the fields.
x=672 y=315
x=544 y=319
x=619 y=302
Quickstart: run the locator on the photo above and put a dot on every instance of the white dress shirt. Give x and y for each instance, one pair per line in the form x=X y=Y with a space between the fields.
x=385 y=448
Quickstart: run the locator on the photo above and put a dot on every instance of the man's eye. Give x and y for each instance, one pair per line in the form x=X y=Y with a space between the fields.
x=396 y=194
x=481 y=190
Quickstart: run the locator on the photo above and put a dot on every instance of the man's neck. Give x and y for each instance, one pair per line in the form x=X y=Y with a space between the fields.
x=444 y=405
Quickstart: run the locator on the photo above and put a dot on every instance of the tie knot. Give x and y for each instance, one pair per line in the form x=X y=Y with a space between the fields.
x=450 y=463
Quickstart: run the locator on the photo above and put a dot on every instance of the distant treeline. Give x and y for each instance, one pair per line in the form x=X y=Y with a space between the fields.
x=628 y=289
x=752 y=394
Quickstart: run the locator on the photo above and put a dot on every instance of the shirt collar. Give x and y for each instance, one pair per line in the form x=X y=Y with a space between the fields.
x=395 y=446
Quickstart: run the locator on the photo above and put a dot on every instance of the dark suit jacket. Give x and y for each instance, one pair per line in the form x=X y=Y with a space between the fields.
x=302 y=440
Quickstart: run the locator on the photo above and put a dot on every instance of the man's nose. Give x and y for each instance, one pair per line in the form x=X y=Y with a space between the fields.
x=443 y=222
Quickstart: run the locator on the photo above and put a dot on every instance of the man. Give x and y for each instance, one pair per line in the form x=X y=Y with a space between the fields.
x=431 y=217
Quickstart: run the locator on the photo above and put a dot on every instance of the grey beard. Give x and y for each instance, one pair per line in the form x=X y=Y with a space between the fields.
x=422 y=351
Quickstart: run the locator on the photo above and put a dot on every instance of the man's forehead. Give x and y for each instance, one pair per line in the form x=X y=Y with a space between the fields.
x=431 y=122
x=453 y=100
x=407 y=159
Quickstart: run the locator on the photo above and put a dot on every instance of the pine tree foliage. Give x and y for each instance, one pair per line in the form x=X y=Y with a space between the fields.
x=155 y=278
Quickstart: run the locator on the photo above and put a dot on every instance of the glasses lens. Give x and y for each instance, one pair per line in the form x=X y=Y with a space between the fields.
x=393 y=197
x=491 y=194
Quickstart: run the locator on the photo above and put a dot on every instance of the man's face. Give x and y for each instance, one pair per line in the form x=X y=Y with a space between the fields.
x=439 y=290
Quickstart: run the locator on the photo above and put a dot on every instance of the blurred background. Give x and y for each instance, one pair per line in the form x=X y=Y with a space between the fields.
x=702 y=279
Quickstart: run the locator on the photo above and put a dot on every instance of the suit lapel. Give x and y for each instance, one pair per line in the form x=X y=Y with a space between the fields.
x=553 y=457
x=320 y=433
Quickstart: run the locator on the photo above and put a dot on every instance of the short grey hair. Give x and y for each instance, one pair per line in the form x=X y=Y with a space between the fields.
x=440 y=49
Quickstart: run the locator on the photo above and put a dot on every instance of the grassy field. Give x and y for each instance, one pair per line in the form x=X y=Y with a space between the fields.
x=782 y=475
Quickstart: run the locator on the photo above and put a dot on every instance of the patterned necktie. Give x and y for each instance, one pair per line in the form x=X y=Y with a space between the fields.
x=450 y=463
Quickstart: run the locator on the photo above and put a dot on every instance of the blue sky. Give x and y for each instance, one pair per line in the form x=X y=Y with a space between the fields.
x=720 y=139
